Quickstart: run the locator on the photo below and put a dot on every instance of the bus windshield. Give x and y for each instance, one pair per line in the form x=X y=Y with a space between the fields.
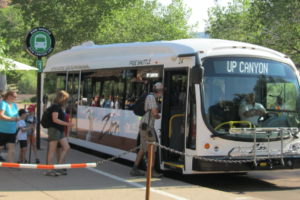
x=241 y=92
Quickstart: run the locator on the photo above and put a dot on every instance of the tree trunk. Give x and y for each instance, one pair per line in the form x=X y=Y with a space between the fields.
x=2 y=81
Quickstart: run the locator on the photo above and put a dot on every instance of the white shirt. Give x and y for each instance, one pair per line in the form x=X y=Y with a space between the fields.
x=21 y=135
x=182 y=97
x=246 y=107
x=117 y=105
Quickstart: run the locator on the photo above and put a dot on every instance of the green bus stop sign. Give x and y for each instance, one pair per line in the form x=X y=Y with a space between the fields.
x=39 y=42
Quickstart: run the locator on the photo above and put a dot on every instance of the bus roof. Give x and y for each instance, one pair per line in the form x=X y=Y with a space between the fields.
x=91 y=56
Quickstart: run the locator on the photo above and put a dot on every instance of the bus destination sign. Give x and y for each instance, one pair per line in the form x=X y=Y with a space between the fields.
x=39 y=42
x=248 y=67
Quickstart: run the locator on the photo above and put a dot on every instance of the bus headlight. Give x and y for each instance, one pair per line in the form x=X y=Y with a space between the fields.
x=295 y=146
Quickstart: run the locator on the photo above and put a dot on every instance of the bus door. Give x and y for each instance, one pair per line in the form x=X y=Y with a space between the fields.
x=72 y=89
x=173 y=117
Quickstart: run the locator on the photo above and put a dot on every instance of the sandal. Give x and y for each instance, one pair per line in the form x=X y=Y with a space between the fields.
x=37 y=161
x=51 y=173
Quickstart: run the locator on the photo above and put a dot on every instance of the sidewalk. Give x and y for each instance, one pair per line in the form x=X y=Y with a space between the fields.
x=108 y=181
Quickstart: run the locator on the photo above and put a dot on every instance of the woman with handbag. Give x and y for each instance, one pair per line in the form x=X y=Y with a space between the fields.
x=8 y=124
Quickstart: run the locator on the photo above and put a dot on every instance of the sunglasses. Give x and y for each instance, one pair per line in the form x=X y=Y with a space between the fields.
x=13 y=96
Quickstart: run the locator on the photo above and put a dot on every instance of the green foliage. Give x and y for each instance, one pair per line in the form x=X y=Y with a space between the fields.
x=147 y=21
x=273 y=24
x=4 y=63
x=71 y=21
x=28 y=83
x=33 y=99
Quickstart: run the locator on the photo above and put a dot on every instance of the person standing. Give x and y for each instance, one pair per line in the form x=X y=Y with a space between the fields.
x=146 y=129
x=56 y=132
x=96 y=102
x=31 y=119
x=22 y=135
x=8 y=124
x=1 y=96
x=66 y=132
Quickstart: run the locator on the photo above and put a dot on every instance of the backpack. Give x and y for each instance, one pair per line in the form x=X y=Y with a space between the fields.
x=139 y=106
x=46 y=120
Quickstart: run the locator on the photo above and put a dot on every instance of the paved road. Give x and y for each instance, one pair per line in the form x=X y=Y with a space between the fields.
x=268 y=185
x=108 y=181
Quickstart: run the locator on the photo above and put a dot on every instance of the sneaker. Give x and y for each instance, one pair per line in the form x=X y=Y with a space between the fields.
x=61 y=171
x=51 y=173
x=2 y=159
x=136 y=173
x=14 y=169
x=37 y=161
x=154 y=174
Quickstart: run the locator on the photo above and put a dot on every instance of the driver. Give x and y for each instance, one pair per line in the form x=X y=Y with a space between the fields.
x=251 y=111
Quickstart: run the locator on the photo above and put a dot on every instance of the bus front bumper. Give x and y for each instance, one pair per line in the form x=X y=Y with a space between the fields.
x=289 y=162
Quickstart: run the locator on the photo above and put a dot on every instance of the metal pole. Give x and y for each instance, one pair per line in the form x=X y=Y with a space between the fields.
x=38 y=115
x=281 y=133
x=254 y=148
x=149 y=167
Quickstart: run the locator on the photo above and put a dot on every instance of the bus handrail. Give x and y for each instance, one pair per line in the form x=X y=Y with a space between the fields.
x=170 y=123
x=234 y=122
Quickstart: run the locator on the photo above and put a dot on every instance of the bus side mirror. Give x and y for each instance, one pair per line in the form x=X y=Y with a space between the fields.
x=197 y=73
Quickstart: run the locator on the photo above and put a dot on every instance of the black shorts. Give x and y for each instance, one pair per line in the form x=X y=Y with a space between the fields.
x=23 y=143
x=7 y=138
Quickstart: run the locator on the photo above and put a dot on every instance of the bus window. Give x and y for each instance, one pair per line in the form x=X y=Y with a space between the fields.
x=243 y=92
x=118 y=88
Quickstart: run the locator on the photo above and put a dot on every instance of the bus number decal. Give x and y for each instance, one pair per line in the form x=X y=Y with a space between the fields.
x=180 y=61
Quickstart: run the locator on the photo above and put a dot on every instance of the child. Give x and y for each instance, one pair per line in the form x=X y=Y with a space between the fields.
x=66 y=131
x=22 y=134
x=30 y=120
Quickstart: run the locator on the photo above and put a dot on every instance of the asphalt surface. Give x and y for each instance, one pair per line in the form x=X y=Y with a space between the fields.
x=267 y=185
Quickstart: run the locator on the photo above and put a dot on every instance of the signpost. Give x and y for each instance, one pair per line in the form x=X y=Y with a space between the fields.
x=39 y=42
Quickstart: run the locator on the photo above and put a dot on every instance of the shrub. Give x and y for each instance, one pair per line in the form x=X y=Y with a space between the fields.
x=33 y=99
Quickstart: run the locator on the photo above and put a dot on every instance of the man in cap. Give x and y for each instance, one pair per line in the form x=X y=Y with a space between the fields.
x=146 y=128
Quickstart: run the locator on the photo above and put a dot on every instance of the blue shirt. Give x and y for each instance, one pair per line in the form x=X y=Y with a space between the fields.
x=8 y=126
x=107 y=104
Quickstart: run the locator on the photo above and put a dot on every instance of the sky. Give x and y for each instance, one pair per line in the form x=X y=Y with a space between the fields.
x=199 y=9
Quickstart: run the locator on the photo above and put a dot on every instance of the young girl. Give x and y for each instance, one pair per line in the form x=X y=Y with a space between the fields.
x=22 y=134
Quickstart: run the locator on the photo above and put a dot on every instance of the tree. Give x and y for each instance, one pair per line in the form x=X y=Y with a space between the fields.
x=147 y=21
x=273 y=24
x=71 y=21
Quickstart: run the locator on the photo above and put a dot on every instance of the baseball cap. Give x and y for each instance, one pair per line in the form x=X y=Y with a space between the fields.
x=22 y=111
x=31 y=108
x=159 y=86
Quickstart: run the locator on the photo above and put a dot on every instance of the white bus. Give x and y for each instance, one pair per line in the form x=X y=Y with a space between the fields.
x=223 y=100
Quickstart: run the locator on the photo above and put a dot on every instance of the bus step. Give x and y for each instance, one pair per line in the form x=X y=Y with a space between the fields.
x=177 y=166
